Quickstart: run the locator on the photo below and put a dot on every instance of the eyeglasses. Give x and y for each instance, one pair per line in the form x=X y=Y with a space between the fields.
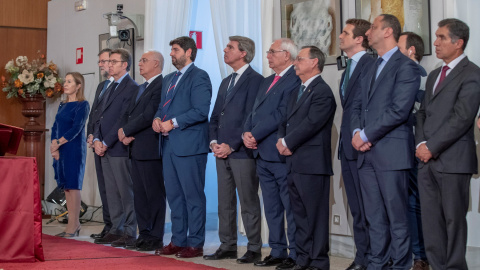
x=144 y=60
x=298 y=58
x=103 y=61
x=273 y=51
x=114 y=62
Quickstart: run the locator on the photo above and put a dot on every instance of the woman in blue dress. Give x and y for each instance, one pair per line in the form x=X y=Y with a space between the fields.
x=69 y=148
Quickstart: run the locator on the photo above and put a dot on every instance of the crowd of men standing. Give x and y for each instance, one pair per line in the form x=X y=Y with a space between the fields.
x=151 y=144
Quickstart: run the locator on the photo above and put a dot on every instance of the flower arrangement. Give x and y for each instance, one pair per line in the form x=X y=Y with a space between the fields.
x=36 y=77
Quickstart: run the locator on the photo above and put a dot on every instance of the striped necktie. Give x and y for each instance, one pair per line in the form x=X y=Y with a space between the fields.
x=169 y=96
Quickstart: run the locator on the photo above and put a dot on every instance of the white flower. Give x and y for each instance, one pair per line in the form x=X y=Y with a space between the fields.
x=21 y=60
x=50 y=81
x=9 y=65
x=26 y=77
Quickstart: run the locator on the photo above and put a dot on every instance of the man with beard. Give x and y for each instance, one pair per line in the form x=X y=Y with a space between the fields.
x=182 y=120
x=103 y=61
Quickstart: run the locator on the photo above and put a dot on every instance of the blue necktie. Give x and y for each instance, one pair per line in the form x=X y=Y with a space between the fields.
x=300 y=92
x=374 y=77
x=141 y=89
x=105 y=85
x=169 y=96
x=232 y=84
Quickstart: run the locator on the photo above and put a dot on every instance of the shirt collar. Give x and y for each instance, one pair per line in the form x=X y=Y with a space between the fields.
x=241 y=70
x=307 y=83
x=356 y=57
x=153 y=78
x=454 y=62
x=389 y=54
x=121 y=78
x=284 y=71
x=184 y=69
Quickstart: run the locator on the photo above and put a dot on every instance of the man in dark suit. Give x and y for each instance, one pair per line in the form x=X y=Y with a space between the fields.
x=305 y=139
x=235 y=163
x=260 y=134
x=182 y=118
x=411 y=45
x=103 y=60
x=354 y=43
x=384 y=137
x=114 y=154
x=137 y=132
x=446 y=147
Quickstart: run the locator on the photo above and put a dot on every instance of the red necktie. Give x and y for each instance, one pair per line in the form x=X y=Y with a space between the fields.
x=442 y=76
x=275 y=80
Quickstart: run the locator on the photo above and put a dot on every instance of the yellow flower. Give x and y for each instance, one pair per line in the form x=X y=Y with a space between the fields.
x=49 y=92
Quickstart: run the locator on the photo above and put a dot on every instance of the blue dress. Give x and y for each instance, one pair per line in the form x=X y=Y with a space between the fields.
x=70 y=124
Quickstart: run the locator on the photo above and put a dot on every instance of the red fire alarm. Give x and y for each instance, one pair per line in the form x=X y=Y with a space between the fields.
x=79 y=55
x=197 y=36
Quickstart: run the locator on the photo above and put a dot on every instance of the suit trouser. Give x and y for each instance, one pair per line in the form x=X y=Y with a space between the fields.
x=309 y=198
x=184 y=184
x=276 y=201
x=103 y=193
x=118 y=184
x=415 y=215
x=384 y=196
x=238 y=174
x=444 y=200
x=149 y=197
x=355 y=202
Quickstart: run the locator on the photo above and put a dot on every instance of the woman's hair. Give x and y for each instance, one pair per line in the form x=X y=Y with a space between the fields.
x=78 y=78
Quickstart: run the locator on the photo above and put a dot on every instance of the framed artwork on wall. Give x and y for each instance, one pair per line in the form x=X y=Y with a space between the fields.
x=414 y=15
x=313 y=22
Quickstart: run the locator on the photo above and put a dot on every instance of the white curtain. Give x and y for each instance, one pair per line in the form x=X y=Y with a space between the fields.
x=267 y=32
x=236 y=18
x=164 y=21
x=467 y=11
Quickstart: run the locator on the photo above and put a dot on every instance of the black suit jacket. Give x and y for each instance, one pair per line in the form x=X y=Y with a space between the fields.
x=307 y=129
x=268 y=112
x=137 y=122
x=93 y=116
x=446 y=119
x=229 y=113
x=383 y=109
x=109 y=121
x=353 y=88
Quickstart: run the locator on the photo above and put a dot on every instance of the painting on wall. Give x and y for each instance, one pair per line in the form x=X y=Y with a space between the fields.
x=414 y=15
x=313 y=22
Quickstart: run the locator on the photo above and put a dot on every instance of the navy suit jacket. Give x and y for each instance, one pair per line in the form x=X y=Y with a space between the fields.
x=268 y=112
x=446 y=119
x=189 y=106
x=109 y=121
x=383 y=109
x=93 y=116
x=345 y=146
x=307 y=129
x=229 y=114
x=137 y=122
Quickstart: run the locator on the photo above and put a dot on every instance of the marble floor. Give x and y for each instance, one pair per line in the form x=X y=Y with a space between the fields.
x=212 y=242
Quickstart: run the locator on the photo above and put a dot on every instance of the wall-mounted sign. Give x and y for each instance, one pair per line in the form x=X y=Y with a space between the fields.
x=197 y=36
x=79 y=55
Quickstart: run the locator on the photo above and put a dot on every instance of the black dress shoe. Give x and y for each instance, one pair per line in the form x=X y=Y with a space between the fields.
x=250 y=257
x=300 y=267
x=269 y=261
x=356 y=266
x=107 y=239
x=99 y=235
x=148 y=245
x=125 y=241
x=221 y=254
x=288 y=263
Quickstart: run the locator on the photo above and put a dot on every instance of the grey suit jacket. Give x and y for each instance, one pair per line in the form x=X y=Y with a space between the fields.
x=446 y=119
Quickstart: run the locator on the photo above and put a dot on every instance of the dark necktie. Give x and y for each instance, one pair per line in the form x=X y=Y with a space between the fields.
x=275 y=80
x=442 y=77
x=105 y=86
x=108 y=94
x=141 y=89
x=300 y=92
x=169 y=96
x=347 y=77
x=374 y=77
x=232 y=84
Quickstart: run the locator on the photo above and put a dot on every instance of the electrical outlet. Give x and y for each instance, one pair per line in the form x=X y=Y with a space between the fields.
x=336 y=219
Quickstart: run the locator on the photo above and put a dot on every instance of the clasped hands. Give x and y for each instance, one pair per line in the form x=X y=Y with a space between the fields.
x=249 y=140
x=163 y=127
x=284 y=151
x=54 y=150
x=221 y=150
x=124 y=139
x=359 y=144
x=423 y=153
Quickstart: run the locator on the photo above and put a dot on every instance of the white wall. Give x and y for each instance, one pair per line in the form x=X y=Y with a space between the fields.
x=68 y=30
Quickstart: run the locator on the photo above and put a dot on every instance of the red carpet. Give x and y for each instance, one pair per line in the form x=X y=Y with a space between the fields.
x=61 y=253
